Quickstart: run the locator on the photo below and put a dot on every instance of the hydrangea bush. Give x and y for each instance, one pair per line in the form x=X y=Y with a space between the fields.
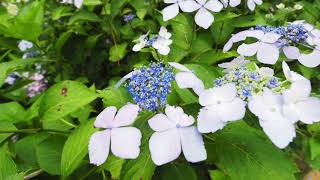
x=159 y=89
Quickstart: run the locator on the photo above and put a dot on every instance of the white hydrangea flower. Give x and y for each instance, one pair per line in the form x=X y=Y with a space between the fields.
x=25 y=45
x=298 y=105
x=234 y=64
x=203 y=17
x=175 y=133
x=252 y=4
x=280 y=6
x=221 y=105
x=265 y=48
x=311 y=59
x=141 y=42
x=163 y=41
x=187 y=79
x=124 y=141
x=77 y=3
x=268 y=106
x=12 y=9
x=172 y=10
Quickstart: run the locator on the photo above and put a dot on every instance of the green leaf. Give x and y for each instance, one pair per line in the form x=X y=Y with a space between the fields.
x=211 y=57
x=30 y=15
x=186 y=95
x=217 y=175
x=206 y=73
x=76 y=148
x=12 y=112
x=245 y=153
x=314 y=144
x=26 y=149
x=83 y=16
x=116 y=6
x=7 y=166
x=49 y=154
x=115 y=97
x=175 y=171
x=61 y=11
x=7 y=67
x=113 y=165
x=118 y=52
x=142 y=167
x=6 y=126
x=63 y=99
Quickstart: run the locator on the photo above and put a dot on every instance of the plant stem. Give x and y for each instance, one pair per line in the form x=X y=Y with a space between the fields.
x=32 y=131
x=34 y=174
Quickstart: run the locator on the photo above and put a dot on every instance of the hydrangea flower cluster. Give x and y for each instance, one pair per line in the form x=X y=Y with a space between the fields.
x=273 y=40
x=38 y=85
x=160 y=42
x=203 y=17
x=149 y=86
x=129 y=17
x=249 y=79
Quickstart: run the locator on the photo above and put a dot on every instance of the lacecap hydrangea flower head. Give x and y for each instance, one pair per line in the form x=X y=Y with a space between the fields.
x=290 y=39
x=278 y=103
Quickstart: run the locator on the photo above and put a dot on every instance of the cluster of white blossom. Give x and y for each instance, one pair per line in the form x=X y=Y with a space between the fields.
x=203 y=17
x=160 y=42
x=277 y=109
x=272 y=40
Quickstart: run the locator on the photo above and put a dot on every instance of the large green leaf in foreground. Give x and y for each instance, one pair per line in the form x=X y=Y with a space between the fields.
x=245 y=153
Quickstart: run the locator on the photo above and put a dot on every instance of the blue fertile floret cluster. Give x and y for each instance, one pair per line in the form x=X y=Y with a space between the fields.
x=149 y=86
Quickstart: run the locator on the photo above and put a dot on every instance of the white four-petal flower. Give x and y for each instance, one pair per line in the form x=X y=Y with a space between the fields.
x=268 y=106
x=298 y=105
x=187 y=79
x=77 y=3
x=124 y=141
x=175 y=133
x=221 y=105
x=265 y=48
x=25 y=45
x=163 y=41
x=141 y=42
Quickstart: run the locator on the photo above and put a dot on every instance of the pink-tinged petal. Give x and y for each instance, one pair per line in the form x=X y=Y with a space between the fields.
x=267 y=53
x=232 y=111
x=214 y=5
x=105 y=118
x=125 y=142
x=209 y=121
x=204 y=18
x=279 y=130
x=291 y=52
x=160 y=122
x=189 y=5
x=99 y=145
x=192 y=144
x=309 y=110
x=310 y=60
x=170 y=12
x=165 y=146
x=248 y=49
x=126 y=115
